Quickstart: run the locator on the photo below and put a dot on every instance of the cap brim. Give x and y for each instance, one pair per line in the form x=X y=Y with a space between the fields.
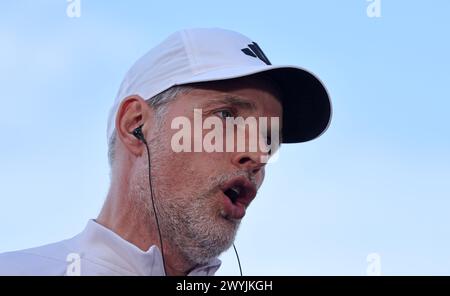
x=306 y=103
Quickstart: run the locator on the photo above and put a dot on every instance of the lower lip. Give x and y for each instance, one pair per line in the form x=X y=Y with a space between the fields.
x=233 y=210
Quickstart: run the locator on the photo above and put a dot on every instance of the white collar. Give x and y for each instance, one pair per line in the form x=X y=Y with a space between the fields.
x=102 y=246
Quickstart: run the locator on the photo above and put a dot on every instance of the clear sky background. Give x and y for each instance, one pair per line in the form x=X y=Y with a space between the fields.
x=377 y=181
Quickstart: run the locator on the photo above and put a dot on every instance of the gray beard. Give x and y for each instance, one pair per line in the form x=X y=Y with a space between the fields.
x=190 y=224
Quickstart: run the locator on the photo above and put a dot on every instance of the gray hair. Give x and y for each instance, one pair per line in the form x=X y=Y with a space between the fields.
x=159 y=103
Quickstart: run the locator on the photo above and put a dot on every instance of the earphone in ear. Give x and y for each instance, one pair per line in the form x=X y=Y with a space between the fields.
x=137 y=132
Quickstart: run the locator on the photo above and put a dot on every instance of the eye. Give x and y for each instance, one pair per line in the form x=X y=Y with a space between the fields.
x=225 y=113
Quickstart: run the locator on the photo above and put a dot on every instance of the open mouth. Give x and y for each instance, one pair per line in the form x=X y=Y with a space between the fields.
x=233 y=193
x=240 y=192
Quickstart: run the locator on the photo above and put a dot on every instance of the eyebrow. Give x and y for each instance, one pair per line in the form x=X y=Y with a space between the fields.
x=236 y=101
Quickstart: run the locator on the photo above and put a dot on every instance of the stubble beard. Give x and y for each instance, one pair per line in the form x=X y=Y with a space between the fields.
x=192 y=223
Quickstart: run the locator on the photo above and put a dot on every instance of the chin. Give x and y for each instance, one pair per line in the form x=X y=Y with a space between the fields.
x=224 y=233
x=214 y=239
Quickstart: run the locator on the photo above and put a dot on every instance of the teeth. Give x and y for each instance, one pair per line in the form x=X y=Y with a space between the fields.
x=233 y=193
x=236 y=189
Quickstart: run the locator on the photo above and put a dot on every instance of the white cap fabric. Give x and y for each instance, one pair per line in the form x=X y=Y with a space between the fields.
x=210 y=54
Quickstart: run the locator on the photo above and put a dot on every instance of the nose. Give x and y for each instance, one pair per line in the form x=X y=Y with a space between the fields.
x=249 y=161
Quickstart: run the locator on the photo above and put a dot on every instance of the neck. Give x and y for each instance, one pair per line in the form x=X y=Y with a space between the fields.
x=122 y=214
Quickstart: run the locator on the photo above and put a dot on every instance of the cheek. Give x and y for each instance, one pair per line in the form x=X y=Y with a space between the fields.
x=201 y=164
x=191 y=172
x=260 y=177
x=188 y=168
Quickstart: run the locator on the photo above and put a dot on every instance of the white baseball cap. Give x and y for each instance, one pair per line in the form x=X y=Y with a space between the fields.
x=211 y=54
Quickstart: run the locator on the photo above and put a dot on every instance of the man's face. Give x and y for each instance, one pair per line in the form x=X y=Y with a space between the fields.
x=202 y=196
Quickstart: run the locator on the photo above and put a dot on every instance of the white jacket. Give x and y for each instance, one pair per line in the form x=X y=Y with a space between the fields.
x=95 y=251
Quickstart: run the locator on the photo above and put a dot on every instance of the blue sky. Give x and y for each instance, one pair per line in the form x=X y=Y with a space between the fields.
x=377 y=181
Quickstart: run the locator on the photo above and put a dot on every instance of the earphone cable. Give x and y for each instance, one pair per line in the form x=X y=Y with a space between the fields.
x=154 y=208
x=239 y=261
